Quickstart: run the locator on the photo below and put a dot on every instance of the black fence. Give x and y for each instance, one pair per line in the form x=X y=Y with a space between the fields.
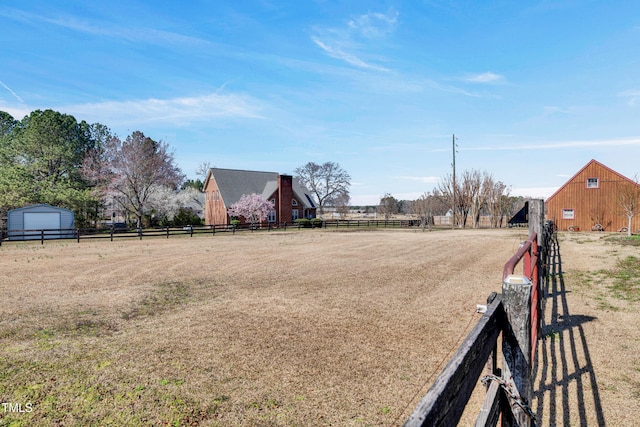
x=121 y=232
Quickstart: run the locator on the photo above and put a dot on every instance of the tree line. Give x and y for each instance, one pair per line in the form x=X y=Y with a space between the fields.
x=474 y=194
x=49 y=157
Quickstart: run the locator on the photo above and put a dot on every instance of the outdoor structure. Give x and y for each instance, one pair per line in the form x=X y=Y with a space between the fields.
x=521 y=218
x=224 y=187
x=591 y=200
x=40 y=222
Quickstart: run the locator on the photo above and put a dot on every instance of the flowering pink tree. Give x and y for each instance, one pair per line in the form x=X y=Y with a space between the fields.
x=252 y=207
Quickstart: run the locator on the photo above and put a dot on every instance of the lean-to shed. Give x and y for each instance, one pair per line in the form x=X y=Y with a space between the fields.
x=30 y=222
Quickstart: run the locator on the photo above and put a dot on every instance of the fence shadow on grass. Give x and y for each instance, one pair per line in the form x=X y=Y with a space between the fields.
x=565 y=371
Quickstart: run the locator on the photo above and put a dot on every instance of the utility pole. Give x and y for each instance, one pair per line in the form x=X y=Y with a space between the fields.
x=453 y=143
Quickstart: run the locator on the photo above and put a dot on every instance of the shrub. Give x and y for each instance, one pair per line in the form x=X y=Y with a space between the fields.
x=235 y=223
x=303 y=222
x=316 y=223
x=186 y=216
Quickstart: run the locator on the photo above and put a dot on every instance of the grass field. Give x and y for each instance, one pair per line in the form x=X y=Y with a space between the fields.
x=308 y=327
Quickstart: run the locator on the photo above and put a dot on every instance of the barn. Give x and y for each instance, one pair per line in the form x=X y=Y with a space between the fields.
x=592 y=201
x=31 y=222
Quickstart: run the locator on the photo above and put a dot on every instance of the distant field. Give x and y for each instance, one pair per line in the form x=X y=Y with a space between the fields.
x=308 y=327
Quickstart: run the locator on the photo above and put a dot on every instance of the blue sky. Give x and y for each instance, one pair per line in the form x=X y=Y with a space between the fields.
x=533 y=90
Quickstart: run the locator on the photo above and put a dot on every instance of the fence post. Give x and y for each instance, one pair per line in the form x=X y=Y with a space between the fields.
x=536 y=225
x=516 y=349
x=491 y=367
x=1 y=236
x=42 y=237
x=78 y=234
x=536 y=218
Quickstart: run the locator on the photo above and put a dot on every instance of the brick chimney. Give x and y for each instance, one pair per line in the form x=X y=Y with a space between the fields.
x=285 y=196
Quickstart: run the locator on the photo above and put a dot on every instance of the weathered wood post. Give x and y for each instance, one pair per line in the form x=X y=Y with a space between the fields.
x=516 y=350
x=536 y=218
x=491 y=367
x=536 y=225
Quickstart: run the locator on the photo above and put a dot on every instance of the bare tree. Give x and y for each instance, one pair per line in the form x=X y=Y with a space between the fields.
x=388 y=206
x=475 y=193
x=203 y=169
x=341 y=203
x=477 y=185
x=130 y=171
x=461 y=206
x=628 y=198
x=423 y=209
x=498 y=204
x=326 y=182
x=446 y=192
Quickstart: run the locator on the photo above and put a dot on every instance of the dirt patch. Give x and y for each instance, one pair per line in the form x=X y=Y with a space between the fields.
x=306 y=327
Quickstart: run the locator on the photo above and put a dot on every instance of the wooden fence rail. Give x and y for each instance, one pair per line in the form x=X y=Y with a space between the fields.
x=512 y=316
x=117 y=233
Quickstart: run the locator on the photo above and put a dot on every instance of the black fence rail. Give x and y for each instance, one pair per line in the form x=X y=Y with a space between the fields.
x=121 y=232
x=372 y=223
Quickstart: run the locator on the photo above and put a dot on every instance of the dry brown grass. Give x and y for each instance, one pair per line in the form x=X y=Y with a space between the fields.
x=301 y=328
x=589 y=363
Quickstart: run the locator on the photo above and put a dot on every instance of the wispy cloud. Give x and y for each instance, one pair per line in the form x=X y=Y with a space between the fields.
x=73 y=23
x=421 y=179
x=633 y=97
x=11 y=92
x=603 y=143
x=351 y=42
x=175 y=112
x=551 y=110
x=484 y=78
x=633 y=141
x=374 y=25
x=338 y=52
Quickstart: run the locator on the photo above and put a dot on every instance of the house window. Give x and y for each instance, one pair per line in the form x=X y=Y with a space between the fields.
x=294 y=214
x=272 y=216
x=593 y=182
x=568 y=214
x=294 y=202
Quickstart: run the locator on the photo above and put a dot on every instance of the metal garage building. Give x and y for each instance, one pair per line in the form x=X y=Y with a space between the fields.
x=32 y=222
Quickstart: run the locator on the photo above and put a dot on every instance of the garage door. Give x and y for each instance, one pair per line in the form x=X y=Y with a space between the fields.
x=41 y=221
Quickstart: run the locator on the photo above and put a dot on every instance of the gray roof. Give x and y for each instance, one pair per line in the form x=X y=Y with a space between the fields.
x=234 y=183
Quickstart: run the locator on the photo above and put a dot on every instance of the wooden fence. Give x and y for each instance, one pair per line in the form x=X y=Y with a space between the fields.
x=117 y=233
x=514 y=316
